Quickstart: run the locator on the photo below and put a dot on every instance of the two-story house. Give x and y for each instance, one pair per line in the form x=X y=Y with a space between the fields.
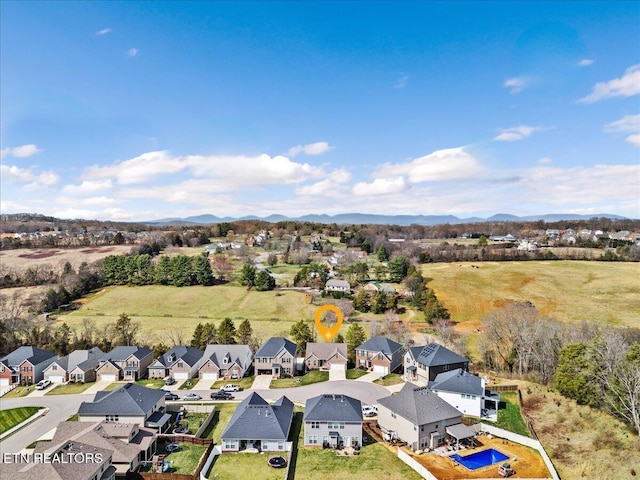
x=128 y=363
x=83 y=362
x=326 y=356
x=379 y=354
x=336 y=285
x=180 y=362
x=276 y=357
x=423 y=363
x=332 y=421
x=25 y=364
x=466 y=392
x=225 y=361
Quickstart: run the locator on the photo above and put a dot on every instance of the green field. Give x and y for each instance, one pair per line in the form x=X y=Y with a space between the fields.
x=314 y=376
x=70 y=389
x=14 y=416
x=242 y=466
x=605 y=292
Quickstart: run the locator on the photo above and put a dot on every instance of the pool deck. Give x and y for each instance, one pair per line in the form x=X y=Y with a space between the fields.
x=525 y=461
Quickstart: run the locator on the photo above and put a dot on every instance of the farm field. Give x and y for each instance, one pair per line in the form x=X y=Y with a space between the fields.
x=22 y=258
x=573 y=291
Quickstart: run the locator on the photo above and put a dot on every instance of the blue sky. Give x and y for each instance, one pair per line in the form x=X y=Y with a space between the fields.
x=145 y=110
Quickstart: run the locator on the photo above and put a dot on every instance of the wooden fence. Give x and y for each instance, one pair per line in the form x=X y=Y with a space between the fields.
x=173 y=438
x=502 y=388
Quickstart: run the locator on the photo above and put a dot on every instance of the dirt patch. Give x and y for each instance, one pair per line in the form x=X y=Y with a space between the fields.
x=88 y=251
x=38 y=254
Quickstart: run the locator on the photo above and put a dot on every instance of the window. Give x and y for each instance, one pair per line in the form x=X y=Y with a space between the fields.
x=111 y=418
x=355 y=441
x=265 y=445
x=379 y=356
x=280 y=445
x=325 y=439
x=393 y=415
x=313 y=440
x=54 y=367
x=179 y=364
x=315 y=424
x=229 y=444
x=225 y=360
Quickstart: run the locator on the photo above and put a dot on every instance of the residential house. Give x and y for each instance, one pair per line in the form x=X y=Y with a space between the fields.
x=326 y=356
x=375 y=286
x=181 y=363
x=379 y=354
x=129 y=444
x=419 y=417
x=225 y=361
x=128 y=363
x=336 y=285
x=276 y=357
x=256 y=424
x=424 y=363
x=467 y=393
x=25 y=364
x=61 y=466
x=332 y=421
x=130 y=403
x=84 y=361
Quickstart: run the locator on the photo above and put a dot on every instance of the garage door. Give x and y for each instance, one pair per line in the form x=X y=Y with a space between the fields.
x=4 y=382
x=181 y=375
x=380 y=369
x=338 y=366
x=56 y=378
x=209 y=376
x=110 y=377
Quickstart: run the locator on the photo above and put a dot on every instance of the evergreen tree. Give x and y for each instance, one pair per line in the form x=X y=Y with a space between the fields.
x=264 y=281
x=575 y=376
x=382 y=254
x=301 y=334
x=202 y=270
x=248 y=275
x=196 y=339
x=361 y=301
x=355 y=337
x=226 y=332
x=245 y=332
x=125 y=330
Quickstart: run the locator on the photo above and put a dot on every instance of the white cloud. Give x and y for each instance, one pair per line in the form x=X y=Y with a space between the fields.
x=515 y=84
x=136 y=170
x=439 y=166
x=627 y=124
x=380 y=186
x=401 y=82
x=104 y=31
x=25 y=175
x=22 y=151
x=132 y=52
x=516 y=133
x=625 y=86
x=88 y=187
x=317 y=148
x=545 y=161
x=585 y=62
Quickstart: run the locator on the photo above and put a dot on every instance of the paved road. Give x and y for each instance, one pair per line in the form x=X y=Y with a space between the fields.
x=63 y=406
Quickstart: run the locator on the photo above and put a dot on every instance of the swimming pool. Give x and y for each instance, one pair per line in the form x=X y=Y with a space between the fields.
x=480 y=459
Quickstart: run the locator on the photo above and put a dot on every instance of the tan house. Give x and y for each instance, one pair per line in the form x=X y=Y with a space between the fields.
x=379 y=354
x=276 y=357
x=128 y=363
x=326 y=356
x=82 y=362
x=225 y=361
x=181 y=363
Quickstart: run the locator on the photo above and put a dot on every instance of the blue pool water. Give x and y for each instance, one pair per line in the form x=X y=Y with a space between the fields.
x=480 y=459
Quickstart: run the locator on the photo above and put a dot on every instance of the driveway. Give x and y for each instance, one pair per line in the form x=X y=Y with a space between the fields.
x=201 y=385
x=40 y=393
x=261 y=382
x=337 y=375
x=370 y=377
x=96 y=387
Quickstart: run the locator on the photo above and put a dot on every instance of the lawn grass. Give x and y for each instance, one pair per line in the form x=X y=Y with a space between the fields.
x=311 y=377
x=354 y=373
x=188 y=384
x=244 y=466
x=149 y=383
x=70 y=388
x=185 y=460
x=510 y=418
x=14 y=416
x=390 y=379
x=223 y=413
x=73 y=418
x=194 y=421
x=19 y=392
x=244 y=382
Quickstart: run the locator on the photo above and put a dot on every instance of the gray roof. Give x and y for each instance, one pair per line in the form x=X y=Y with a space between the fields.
x=26 y=352
x=380 y=344
x=435 y=354
x=256 y=419
x=337 y=283
x=336 y=408
x=129 y=400
x=419 y=405
x=458 y=381
x=80 y=357
x=240 y=354
x=189 y=355
x=273 y=346
x=121 y=353
x=325 y=351
x=415 y=351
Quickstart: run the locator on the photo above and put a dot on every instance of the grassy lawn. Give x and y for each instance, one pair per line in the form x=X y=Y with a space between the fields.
x=510 y=418
x=243 y=466
x=150 y=383
x=354 y=373
x=12 y=417
x=194 y=421
x=186 y=459
x=69 y=389
x=220 y=420
x=188 y=384
x=244 y=382
x=73 y=418
x=311 y=377
x=390 y=379
x=19 y=392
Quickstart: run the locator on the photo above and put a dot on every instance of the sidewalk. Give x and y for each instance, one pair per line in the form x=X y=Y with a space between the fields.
x=370 y=377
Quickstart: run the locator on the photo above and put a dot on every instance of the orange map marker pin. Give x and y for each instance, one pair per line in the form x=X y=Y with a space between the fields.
x=328 y=333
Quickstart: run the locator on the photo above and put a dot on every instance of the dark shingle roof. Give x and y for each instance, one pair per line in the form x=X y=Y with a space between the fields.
x=380 y=344
x=240 y=354
x=272 y=346
x=415 y=351
x=79 y=357
x=419 y=405
x=189 y=355
x=26 y=352
x=336 y=408
x=326 y=350
x=458 y=381
x=129 y=400
x=435 y=354
x=121 y=353
x=256 y=419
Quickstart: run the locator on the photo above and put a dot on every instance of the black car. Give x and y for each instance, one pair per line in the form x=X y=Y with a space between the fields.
x=221 y=395
x=170 y=396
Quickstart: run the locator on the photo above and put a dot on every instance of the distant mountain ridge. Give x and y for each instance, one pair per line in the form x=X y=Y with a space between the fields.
x=367 y=218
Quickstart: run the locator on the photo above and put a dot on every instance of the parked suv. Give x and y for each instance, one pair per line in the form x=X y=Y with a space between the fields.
x=42 y=384
x=221 y=395
x=231 y=387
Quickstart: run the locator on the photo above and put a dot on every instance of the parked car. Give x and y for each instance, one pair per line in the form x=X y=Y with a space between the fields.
x=192 y=396
x=172 y=447
x=231 y=387
x=42 y=384
x=171 y=396
x=221 y=395
x=169 y=381
x=369 y=410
